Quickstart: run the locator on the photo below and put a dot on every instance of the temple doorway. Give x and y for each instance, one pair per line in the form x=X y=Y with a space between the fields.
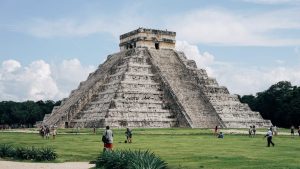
x=156 y=45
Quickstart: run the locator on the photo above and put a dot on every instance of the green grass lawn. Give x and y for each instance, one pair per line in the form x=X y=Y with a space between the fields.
x=180 y=148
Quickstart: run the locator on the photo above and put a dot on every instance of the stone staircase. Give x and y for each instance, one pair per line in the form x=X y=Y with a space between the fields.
x=231 y=111
x=185 y=87
x=79 y=98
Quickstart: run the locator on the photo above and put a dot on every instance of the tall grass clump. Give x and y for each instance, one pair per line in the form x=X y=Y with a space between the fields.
x=27 y=153
x=6 y=150
x=128 y=159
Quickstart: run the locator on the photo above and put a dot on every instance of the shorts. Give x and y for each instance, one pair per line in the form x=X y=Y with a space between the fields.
x=108 y=145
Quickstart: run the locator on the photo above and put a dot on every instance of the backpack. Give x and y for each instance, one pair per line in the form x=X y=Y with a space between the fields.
x=104 y=139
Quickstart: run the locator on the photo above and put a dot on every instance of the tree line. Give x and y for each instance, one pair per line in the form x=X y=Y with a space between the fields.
x=280 y=103
x=25 y=113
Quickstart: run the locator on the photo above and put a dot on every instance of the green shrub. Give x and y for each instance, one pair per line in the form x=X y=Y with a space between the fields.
x=147 y=160
x=129 y=160
x=21 y=153
x=27 y=153
x=46 y=154
x=6 y=150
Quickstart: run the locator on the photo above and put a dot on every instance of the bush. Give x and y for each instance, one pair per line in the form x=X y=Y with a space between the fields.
x=27 y=153
x=6 y=150
x=46 y=154
x=128 y=159
x=21 y=153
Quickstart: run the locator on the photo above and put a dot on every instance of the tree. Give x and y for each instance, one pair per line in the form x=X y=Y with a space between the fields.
x=280 y=103
x=28 y=112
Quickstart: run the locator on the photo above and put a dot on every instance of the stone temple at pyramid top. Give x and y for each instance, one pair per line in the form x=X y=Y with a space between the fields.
x=148 y=38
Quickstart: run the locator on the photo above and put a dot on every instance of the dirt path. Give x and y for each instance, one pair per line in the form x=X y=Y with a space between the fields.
x=236 y=131
x=25 y=165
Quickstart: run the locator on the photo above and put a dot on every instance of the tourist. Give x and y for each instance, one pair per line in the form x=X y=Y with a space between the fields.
x=216 y=130
x=275 y=129
x=128 y=134
x=269 y=137
x=292 y=131
x=94 y=129
x=221 y=135
x=107 y=139
x=54 y=132
x=47 y=132
x=250 y=131
x=77 y=130
x=254 y=130
x=42 y=132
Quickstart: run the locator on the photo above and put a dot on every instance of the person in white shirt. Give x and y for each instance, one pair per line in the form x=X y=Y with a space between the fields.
x=269 y=137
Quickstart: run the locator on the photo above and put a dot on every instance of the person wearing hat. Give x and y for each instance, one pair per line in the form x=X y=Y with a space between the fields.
x=269 y=137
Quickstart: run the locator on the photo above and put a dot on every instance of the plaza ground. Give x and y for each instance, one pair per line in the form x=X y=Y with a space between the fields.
x=180 y=148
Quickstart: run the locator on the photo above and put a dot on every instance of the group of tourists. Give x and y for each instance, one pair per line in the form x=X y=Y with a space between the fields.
x=107 y=138
x=272 y=131
x=45 y=132
x=252 y=131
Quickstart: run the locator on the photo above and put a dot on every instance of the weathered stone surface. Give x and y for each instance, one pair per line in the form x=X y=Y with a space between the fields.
x=147 y=87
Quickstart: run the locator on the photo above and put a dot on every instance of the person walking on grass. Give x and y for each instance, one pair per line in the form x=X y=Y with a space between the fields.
x=269 y=137
x=299 y=130
x=107 y=138
x=254 y=130
x=54 y=132
x=216 y=131
x=94 y=129
x=250 y=131
x=128 y=134
x=47 y=132
x=292 y=131
x=42 y=132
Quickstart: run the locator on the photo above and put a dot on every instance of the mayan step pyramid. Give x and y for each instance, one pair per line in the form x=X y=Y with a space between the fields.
x=149 y=84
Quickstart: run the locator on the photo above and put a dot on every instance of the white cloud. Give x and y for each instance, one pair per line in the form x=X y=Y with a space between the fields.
x=124 y=20
x=220 y=26
x=238 y=78
x=40 y=80
x=279 y=61
x=64 y=27
x=41 y=85
x=10 y=66
x=203 y=60
x=297 y=51
x=31 y=82
x=204 y=25
x=69 y=74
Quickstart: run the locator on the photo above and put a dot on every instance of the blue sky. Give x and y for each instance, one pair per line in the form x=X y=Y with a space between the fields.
x=48 y=47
